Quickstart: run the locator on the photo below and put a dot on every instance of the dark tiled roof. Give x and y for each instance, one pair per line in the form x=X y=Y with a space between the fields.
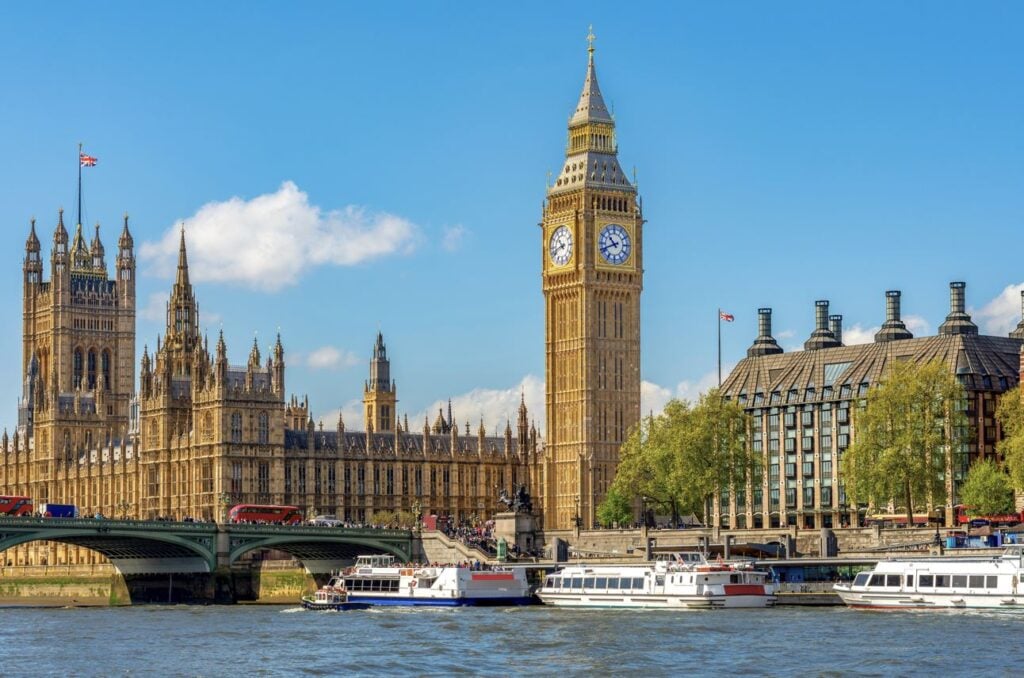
x=979 y=361
x=383 y=444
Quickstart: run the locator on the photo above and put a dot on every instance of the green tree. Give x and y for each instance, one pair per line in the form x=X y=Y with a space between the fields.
x=615 y=509
x=1011 y=416
x=986 y=490
x=905 y=434
x=681 y=458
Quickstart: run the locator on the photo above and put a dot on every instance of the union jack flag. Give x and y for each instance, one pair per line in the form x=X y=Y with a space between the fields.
x=87 y=160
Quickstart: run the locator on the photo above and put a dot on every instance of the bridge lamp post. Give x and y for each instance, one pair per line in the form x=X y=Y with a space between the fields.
x=417 y=509
x=224 y=499
x=123 y=507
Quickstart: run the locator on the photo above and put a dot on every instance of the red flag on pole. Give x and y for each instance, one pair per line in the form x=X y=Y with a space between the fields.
x=727 y=317
x=87 y=160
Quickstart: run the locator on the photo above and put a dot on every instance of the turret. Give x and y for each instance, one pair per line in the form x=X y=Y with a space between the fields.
x=81 y=258
x=59 y=254
x=221 y=362
x=146 y=378
x=126 y=265
x=99 y=263
x=278 y=369
x=33 y=263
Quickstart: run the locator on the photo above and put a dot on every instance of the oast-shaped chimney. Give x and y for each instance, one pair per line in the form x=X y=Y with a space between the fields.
x=822 y=336
x=765 y=344
x=893 y=328
x=958 y=321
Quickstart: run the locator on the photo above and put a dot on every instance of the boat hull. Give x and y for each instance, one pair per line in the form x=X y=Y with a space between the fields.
x=673 y=602
x=336 y=607
x=427 y=601
x=911 y=601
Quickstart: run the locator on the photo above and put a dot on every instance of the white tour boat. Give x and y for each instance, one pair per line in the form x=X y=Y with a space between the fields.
x=332 y=596
x=969 y=582
x=381 y=580
x=687 y=581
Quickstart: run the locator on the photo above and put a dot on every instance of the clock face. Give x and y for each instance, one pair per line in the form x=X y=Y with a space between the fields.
x=614 y=244
x=560 y=247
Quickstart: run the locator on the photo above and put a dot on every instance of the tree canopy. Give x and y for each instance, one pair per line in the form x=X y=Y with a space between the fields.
x=986 y=490
x=904 y=436
x=615 y=509
x=1011 y=416
x=680 y=458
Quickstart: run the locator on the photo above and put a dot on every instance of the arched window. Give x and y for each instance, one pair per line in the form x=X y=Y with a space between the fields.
x=236 y=427
x=208 y=426
x=77 y=368
x=105 y=368
x=91 y=383
x=264 y=428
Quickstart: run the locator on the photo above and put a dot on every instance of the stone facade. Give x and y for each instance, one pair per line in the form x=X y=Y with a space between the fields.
x=202 y=434
x=592 y=275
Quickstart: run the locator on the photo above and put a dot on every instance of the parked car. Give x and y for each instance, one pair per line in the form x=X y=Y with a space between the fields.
x=326 y=521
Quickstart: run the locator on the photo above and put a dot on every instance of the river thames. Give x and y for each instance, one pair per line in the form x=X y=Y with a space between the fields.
x=273 y=640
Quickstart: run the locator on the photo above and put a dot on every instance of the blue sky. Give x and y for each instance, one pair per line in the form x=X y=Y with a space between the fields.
x=343 y=168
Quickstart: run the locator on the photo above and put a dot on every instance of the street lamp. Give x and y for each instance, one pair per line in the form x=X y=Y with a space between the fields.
x=576 y=513
x=643 y=510
x=225 y=500
x=123 y=507
x=417 y=509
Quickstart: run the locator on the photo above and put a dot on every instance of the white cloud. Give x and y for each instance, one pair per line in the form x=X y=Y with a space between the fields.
x=351 y=412
x=1000 y=315
x=858 y=334
x=453 y=237
x=654 y=397
x=155 y=309
x=785 y=334
x=330 y=358
x=268 y=242
x=495 y=406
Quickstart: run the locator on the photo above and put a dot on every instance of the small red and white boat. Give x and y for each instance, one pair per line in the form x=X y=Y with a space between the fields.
x=685 y=582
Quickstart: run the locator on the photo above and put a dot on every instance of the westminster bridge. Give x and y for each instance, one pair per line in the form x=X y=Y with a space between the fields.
x=149 y=547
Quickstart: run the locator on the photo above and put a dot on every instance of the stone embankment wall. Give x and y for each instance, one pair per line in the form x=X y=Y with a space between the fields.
x=627 y=544
x=85 y=585
x=436 y=547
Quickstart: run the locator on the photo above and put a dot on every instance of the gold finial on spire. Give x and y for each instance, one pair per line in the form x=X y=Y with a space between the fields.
x=590 y=39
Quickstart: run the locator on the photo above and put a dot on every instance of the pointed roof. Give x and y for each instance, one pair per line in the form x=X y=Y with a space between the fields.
x=60 y=234
x=380 y=352
x=182 y=278
x=32 y=243
x=80 y=258
x=591 y=106
x=126 y=240
x=97 y=245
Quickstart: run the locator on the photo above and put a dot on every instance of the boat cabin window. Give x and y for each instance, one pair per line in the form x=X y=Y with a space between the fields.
x=734 y=578
x=925 y=581
x=992 y=581
x=877 y=580
x=959 y=581
x=588 y=583
x=601 y=583
x=862 y=579
x=976 y=581
x=892 y=579
x=577 y=583
x=613 y=583
x=550 y=583
x=910 y=581
x=942 y=581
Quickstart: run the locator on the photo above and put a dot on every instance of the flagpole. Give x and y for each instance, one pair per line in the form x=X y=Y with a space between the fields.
x=719 y=348
x=79 y=184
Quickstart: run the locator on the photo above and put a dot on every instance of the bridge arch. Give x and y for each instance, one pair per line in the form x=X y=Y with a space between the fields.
x=323 y=545
x=128 y=547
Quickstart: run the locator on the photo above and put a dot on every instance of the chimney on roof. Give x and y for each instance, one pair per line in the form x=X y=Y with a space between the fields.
x=765 y=344
x=835 y=323
x=893 y=328
x=1019 y=332
x=822 y=336
x=958 y=321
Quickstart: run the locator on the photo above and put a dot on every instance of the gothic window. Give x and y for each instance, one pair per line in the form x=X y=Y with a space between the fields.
x=91 y=383
x=208 y=426
x=88 y=440
x=385 y=418
x=154 y=434
x=236 y=427
x=389 y=481
x=105 y=369
x=316 y=479
x=264 y=478
x=287 y=478
x=332 y=480
x=207 y=476
x=236 y=478
x=154 y=481
x=264 y=428
x=77 y=371
x=419 y=482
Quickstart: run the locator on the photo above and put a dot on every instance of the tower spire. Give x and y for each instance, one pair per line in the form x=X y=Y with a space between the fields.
x=182 y=279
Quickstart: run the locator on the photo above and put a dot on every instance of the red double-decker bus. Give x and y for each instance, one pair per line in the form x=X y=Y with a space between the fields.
x=963 y=518
x=15 y=506
x=256 y=513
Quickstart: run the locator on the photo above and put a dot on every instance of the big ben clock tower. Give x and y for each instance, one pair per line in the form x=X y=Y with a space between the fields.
x=592 y=232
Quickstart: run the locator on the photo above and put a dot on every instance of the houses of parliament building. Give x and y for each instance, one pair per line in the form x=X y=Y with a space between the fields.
x=200 y=433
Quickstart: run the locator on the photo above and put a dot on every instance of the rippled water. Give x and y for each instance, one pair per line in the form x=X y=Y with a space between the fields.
x=239 y=640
